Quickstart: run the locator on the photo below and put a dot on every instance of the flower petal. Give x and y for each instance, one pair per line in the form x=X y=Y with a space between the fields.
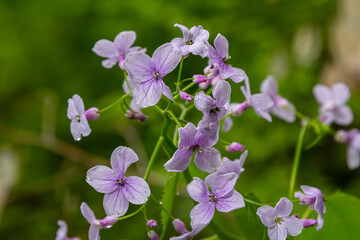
x=202 y=213
x=166 y=91
x=228 y=204
x=136 y=190
x=139 y=66
x=294 y=226
x=198 y=190
x=208 y=159
x=278 y=232
x=124 y=40
x=267 y=215
x=61 y=233
x=227 y=125
x=94 y=232
x=343 y=115
x=224 y=184
x=222 y=46
x=122 y=158
x=286 y=113
x=184 y=30
x=221 y=93
x=187 y=135
x=322 y=93
x=105 y=48
x=269 y=86
x=88 y=213
x=203 y=102
x=110 y=62
x=283 y=208
x=208 y=135
x=180 y=160
x=238 y=75
x=353 y=158
x=148 y=93
x=166 y=59
x=115 y=203
x=341 y=93
x=102 y=179
x=261 y=101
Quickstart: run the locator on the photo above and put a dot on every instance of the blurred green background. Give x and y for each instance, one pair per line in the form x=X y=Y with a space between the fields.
x=46 y=57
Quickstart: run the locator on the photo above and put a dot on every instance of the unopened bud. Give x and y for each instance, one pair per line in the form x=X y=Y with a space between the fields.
x=199 y=78
x=235 y=146
x=152 y=235
x=92 y=113
x=151 y=223
x=179 y=226
x=238 y=109
x=108 y=222
x=308 y=222
x=185 y=96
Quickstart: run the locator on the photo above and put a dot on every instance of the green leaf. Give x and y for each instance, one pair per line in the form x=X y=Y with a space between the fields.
x=167 y=199
x=341 y=220
x=248 y=222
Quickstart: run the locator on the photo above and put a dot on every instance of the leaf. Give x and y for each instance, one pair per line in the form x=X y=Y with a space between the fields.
x=249 y=222
x=167 y=199
x=341 y=220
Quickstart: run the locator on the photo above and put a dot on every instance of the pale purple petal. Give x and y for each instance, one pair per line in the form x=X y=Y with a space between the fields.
x=198 y=190
x=310 y=190
x=110 y=62
x=228 y=204
x=286 y=113
x=166 y=91
x=221 y=93
x=136 y=190
x=102 y=179
x=238 y=75
x=61 y=233
x=199 y=48
x=209 y=180
x=208 y=159
x=224 y=184
x=267 y=215
x=278 y=232
x=124 y=40
x=246 y=89
x=88 y=213
x=227 y=125
x=283 y=208
x=269 y=86
x=261 y=101
x=264 y=114
x=203 y=102
x=202 y=213
x=105 y=48
x=148 y=93
x=343 y=115
x=94 y=232
x=178 y=43
x=207 y=136
x=341 y=93
x=115 y=203
x=180 y=160
x=353 y=158
x=294 y=226
x=199 y=34
x=322 y=93
x=187 y=135
x=75 y=107
x=80 y=128
x=122 y=158
x=184 y=30
x=320 y=221
x=139 y=66
x=222 y=46
x=166 y=58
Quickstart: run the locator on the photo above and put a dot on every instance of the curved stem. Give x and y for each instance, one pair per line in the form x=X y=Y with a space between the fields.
x=134 y=213
x=296 y=162
x=180 y=70
x=117 y=101
x=153 y=156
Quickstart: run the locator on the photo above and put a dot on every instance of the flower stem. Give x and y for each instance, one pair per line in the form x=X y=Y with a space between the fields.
x=180 y=70
x=296 y=162
x=134 y=213
x=127 y=82
x=153 y=157
x=114 y=103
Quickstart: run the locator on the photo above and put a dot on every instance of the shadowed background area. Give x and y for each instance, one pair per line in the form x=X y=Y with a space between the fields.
x=46 y=57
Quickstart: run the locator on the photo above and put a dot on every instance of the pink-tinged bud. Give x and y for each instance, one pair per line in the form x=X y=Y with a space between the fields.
x=152 y=235
x=140 y=116
x=308 y=222
x=151 y=223
x=199 y=78
x=185 y=96
x=235 y=146
x=108 y=222
x=130 y=115
x=238 y=109
x=179 y=226
x=204 y=85
x=295 y=215
x=92 y=113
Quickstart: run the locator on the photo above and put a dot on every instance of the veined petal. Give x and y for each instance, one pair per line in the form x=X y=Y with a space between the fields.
x=202 y=213
x=136 y=190
x=267 y=215
x=184 y=30
x=102 y=179
x=139 y=66
x=198 y=190
x=115 y=203
x=88 y=213
x=294 y=226
x=122 y=158
x=124 y=40
x=94 y=232
x=228 y=204
x=224 y=184
x=208 y=134
x=278 y=232
x=269 y=86
x=208 y=159
x=199 y=48
x=203 y=102
x=180 y=160
x=148 y=93
x=221 y=93
x=166 y=58
x=322 y=93
x=200 y=34
x=222 y=46
x=187 y=135
x=283 y=208
x=166 y=91
x=105 y=48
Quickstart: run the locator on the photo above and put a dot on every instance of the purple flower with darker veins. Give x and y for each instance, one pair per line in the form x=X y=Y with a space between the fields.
x=222 y=196
x=220 y=56
x=278 y=221
x=333 y=108
x=207 y=159
x=119 y=190
x=61 y=233
x=352 y=139
x=213 y=110
x=118 y=50
x=314 y=199
x=282 y=108
x=194 y=41
x=96 y=224
x=149 y=72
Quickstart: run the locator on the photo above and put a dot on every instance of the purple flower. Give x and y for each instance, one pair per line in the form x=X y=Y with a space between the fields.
x=148 y=72
x=278 y=221
x=185 y=96
x=118 y=50
x=213 y=110
x=222 y=196
x=95 y=224
x=220 y=56
x=260 y=102
x=207 y=158
x=79 y=125
x=135 y=115
x=308 y=222
x=282 y=108
x=352 y=139
x=151 y=223
x=333 y=108
x=314 y=199
x=234 y=147
x=61 y=233
x=152 y=235
x=185 y=234
x=119 y=190
x=228 y=166
x=194 y=41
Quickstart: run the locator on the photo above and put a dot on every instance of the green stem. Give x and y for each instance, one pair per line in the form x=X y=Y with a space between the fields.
x=182 y=116
x=127 y=82
x=134 y=213
x=296 y=162
x=153 y=157
x=253 y=202
x=117 y=101
x=174 y=118
x=180 y=70
x=184 y=89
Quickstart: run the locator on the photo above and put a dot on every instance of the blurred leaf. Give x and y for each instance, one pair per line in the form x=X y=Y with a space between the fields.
x=168 y=200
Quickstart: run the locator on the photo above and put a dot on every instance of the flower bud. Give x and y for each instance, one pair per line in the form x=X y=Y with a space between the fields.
x=107 y=222
x=199 y=78
x=235 y=146
x=140 y=116
x=179 y=226
x=92 y=113
x=151 y=223
x=130 y=115
x=185 y=96
x=308 y=222
x=152 y=235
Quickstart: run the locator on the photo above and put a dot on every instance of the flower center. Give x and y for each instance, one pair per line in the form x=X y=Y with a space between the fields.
x=278 y=220
x=189 y=42
x=215 y=110
x=226 y=60
x=212 y=198
x=157 y=75
x=121 y=182
x=196 y=148
x=77 y=118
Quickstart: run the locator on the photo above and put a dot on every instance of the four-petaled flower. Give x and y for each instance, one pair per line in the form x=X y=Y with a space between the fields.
x=119 y=190
x=278 y=221
x=79 y=125
x=222 y=196
x=314 y=199
x=96 y=224
x=149 y=72
x=207 y=158
x=194 y=41
x=352 y=139
x=333 y=108
x=118 y=50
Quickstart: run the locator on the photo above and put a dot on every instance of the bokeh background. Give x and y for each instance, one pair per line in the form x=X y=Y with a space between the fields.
x=46 y=57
